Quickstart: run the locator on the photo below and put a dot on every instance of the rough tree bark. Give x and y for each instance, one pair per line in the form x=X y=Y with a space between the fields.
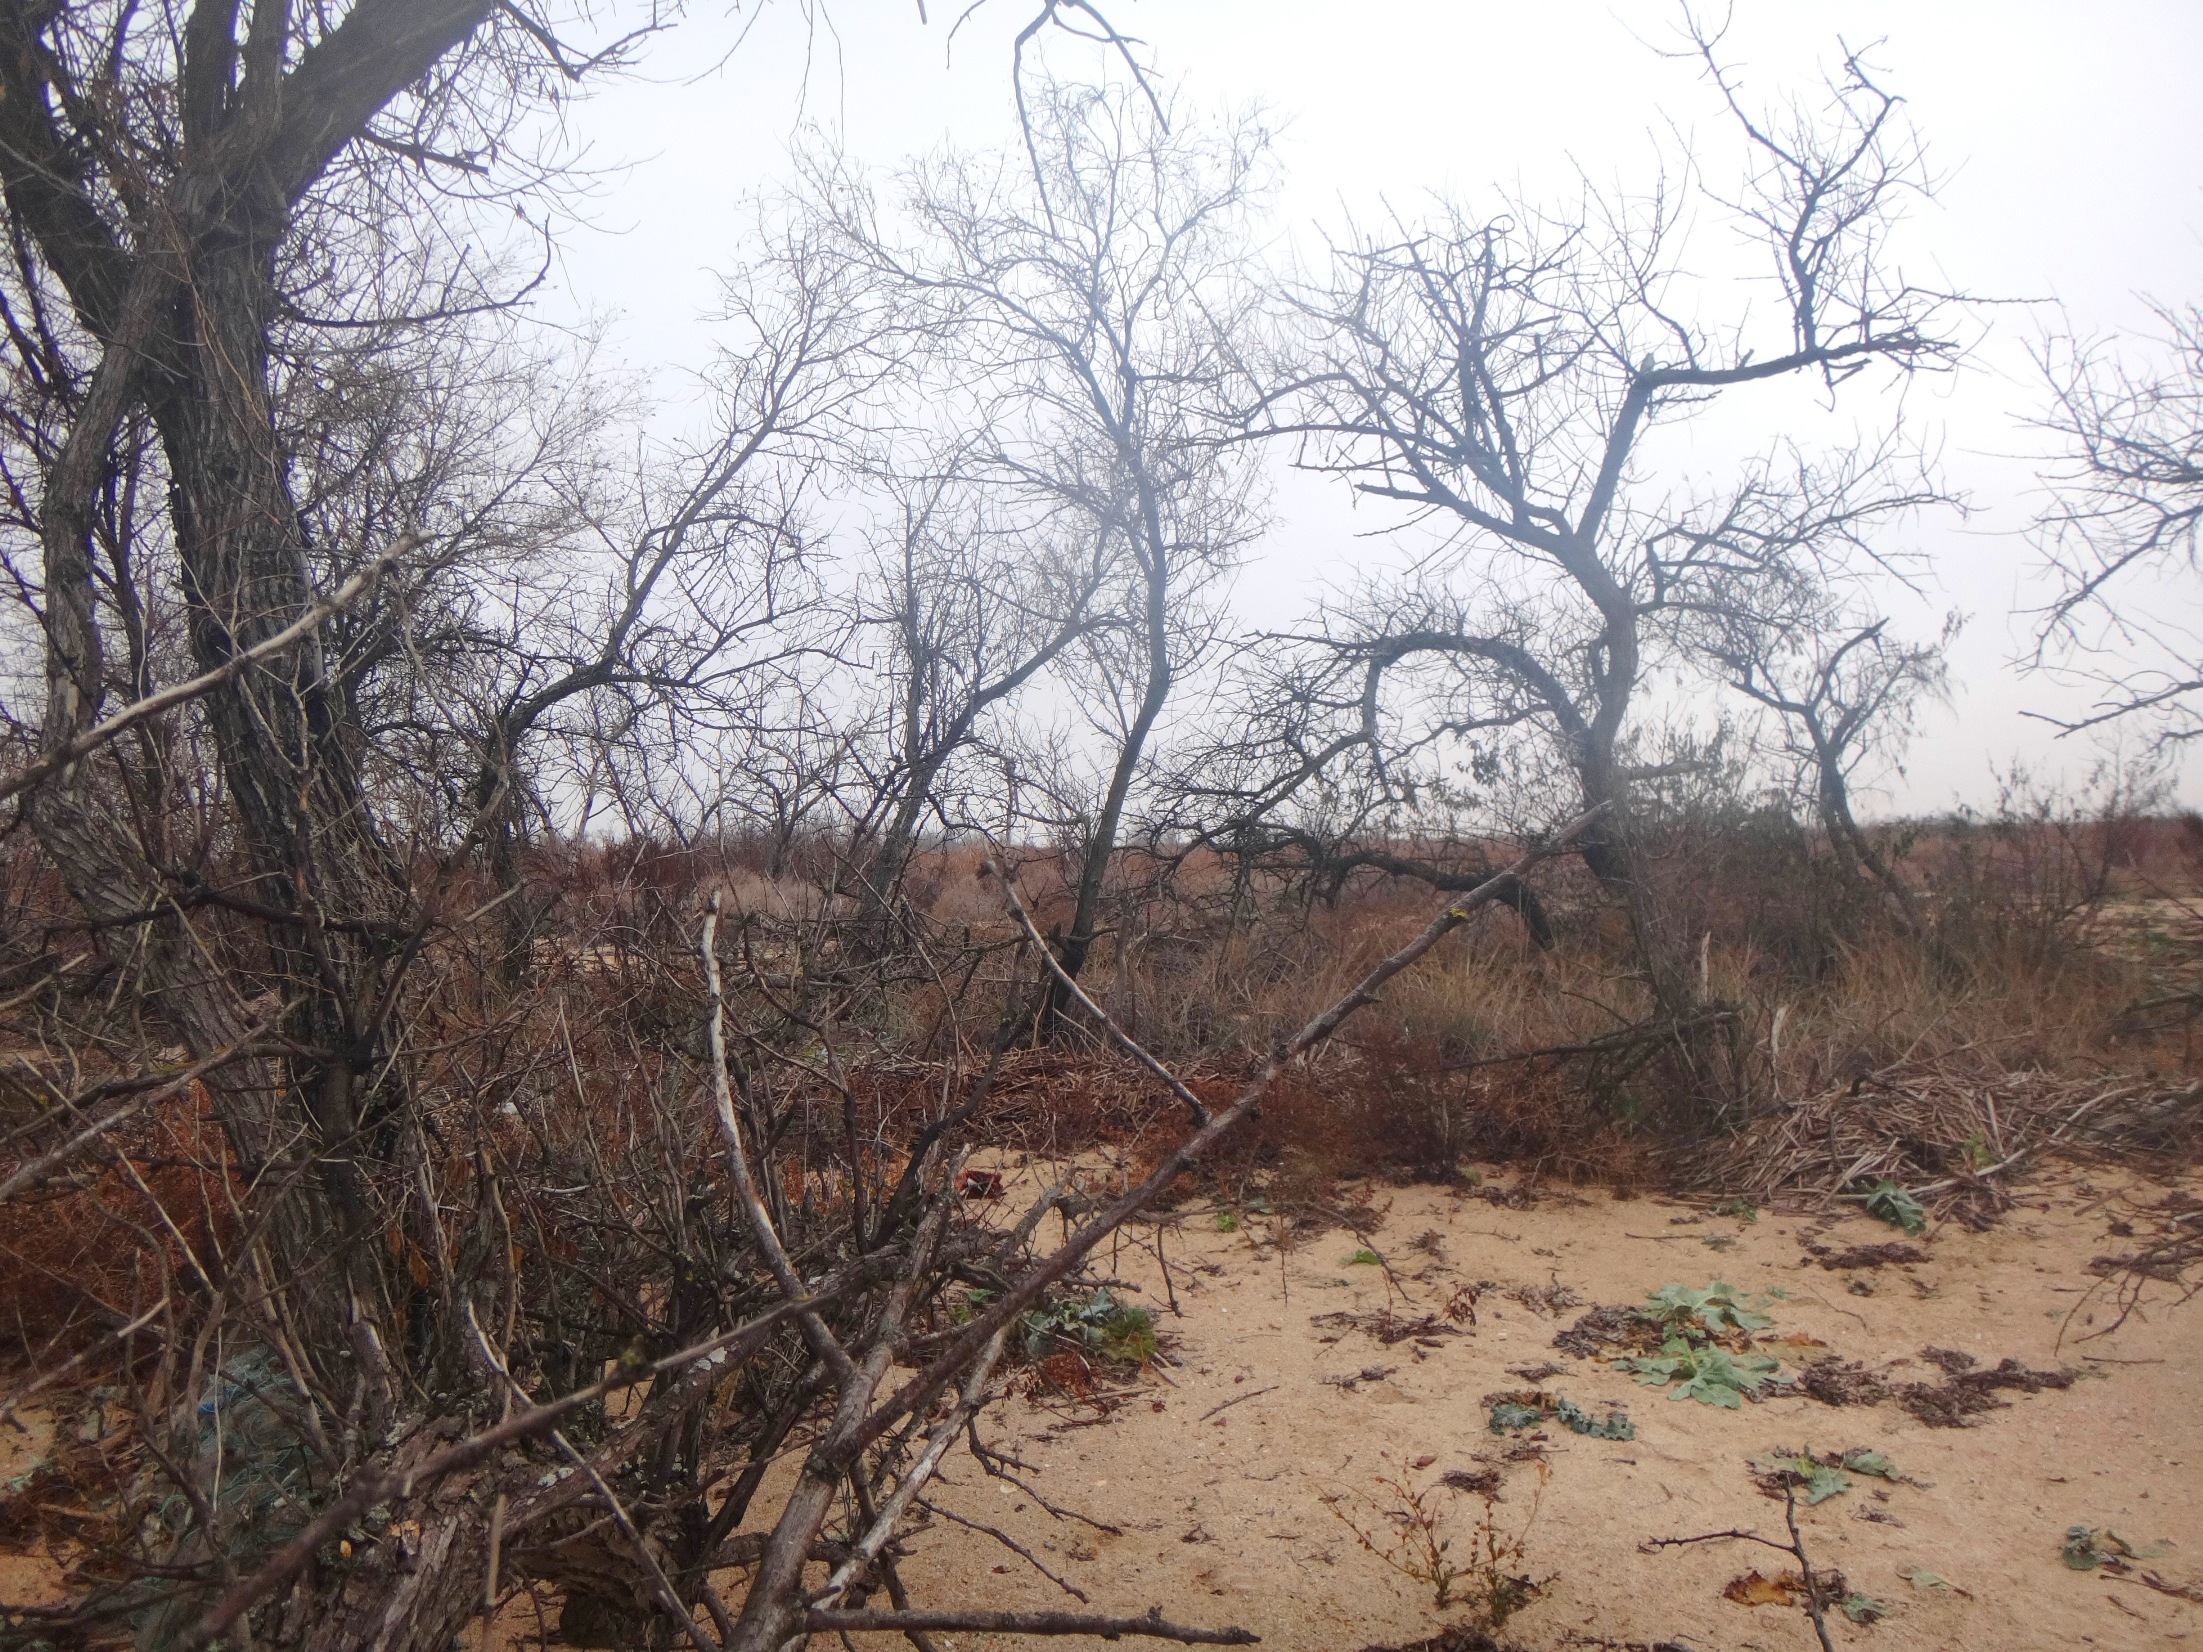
x=177 y=291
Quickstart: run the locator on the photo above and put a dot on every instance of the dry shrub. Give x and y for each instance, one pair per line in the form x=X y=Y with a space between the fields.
x=102 y=1246
x=1400 y=1111
x=1837 y=1041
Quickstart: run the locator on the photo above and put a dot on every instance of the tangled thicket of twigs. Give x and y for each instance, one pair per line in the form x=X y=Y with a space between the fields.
x=644 y=1240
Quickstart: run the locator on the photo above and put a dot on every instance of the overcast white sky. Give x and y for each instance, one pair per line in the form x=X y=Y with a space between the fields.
x=2070 y=138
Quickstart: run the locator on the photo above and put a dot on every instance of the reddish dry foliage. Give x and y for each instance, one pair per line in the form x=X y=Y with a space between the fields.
x=99 y=1249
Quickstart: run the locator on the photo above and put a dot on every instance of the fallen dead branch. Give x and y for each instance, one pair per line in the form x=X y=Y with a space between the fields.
x=1817 y=1592
x=1389 y=1328
x=411 y=1480
x=1238 y=1399
x=1010 y=1543
x=1025 y=1623
x=2167 y=1258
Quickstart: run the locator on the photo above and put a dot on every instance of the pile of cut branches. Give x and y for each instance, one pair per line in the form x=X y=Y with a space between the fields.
x=1948 y=1133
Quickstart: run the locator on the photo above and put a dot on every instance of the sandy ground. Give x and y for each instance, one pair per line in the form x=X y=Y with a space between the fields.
x=1225 y=1468
x=35 y=1578
x=1224 y=1517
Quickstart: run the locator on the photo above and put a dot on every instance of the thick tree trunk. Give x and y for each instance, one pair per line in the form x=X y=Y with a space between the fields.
x=281 y=734
x=180 y=302
x=1614 y=852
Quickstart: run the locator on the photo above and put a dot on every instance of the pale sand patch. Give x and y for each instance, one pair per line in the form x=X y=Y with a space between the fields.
x=1222 y=1516
x=34 y=1578
x=1223 y=1521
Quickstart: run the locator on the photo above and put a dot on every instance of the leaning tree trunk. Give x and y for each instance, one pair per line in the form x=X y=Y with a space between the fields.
x=880 y=885
x=1697 y=1037
x=1101 y=843
x=281 y=731
x=1858 y=850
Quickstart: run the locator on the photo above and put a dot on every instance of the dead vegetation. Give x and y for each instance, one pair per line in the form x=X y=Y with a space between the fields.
x=505 y=967
x=1484 y=1575
x=1958 y=1401
x=1388 y=1328
x=2171 y=1254
x=518 y=1138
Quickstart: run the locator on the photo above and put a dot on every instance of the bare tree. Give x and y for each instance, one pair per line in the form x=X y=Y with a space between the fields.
x=1094 y=300
x=683 y=603
x=2121 y=531
x=1502 y=379
x=1844 y=691
x=970 y=605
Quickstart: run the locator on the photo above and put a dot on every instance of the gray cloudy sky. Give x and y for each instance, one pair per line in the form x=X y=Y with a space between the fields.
x=2069 y=138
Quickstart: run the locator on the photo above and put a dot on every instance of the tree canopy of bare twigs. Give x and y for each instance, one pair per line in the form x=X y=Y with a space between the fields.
x=1842 y=690
x=2121 y=530
x=970 y=606
x=1095 y=302
x=1501 y=379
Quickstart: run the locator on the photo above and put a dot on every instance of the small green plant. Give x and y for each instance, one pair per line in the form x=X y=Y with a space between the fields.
x=1712 y=1376
x=1098 y=1322
x=1821 y=1475
x=1862 y=1608
x=2087 y=1547
x=1128 y=1336
x=1896 y=1207
x=1863 y=1460
x=1615 y=1425
x=964 y=1309
x=1819 y=1481
x=1977 y=1151
x=1742 y=1209
x=1227 y=1221
x=1364 y=1257
x=1708 y=1311
x=2082 y=1550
